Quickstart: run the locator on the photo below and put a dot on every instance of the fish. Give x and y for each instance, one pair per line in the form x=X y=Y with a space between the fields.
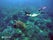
x=33 y=15
x=42 y=8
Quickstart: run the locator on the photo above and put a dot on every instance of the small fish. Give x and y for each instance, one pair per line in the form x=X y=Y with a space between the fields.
x=42 y=8
x=33 y=15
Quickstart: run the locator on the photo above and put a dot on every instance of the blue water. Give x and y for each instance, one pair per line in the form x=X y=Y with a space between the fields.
x=25 y=3
x=11 y=10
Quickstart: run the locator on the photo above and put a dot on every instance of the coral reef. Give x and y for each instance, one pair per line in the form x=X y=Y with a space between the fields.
x=20 y=26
